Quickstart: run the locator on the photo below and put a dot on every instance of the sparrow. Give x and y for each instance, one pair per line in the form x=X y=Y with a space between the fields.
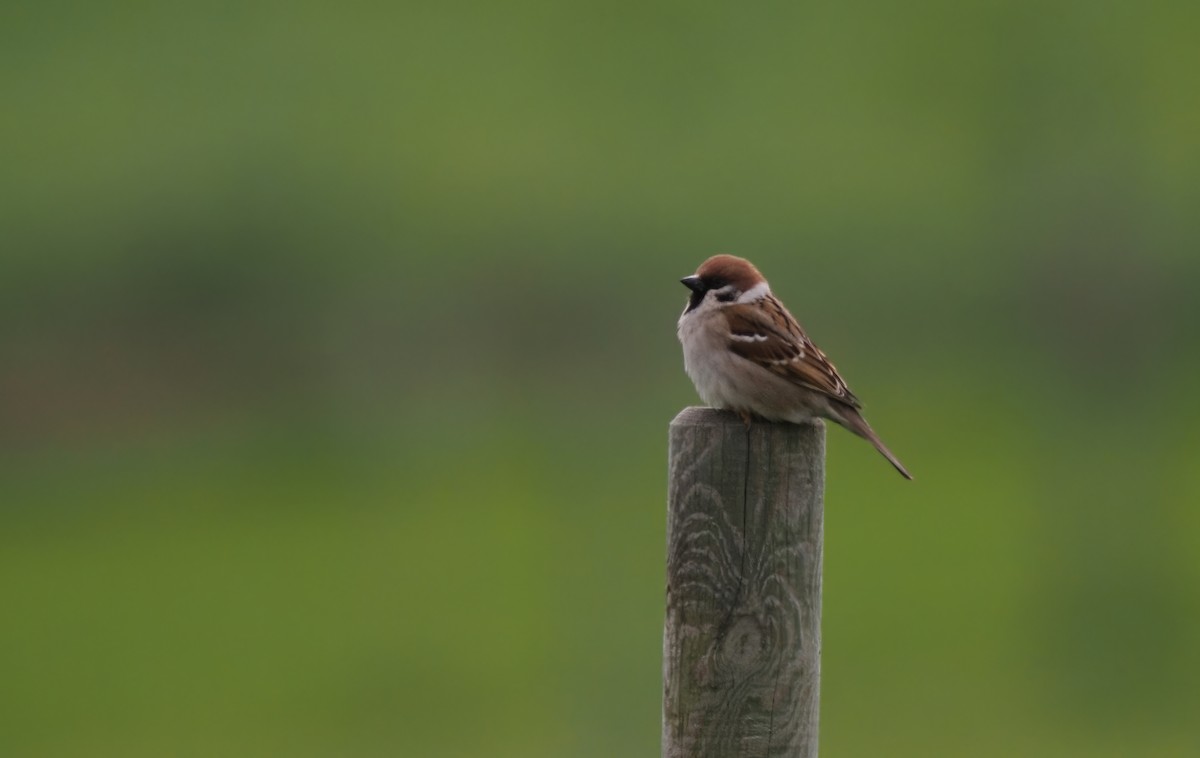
x=746 y=353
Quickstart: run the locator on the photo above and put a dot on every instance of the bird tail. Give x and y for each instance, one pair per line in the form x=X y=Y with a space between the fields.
x=853 y=420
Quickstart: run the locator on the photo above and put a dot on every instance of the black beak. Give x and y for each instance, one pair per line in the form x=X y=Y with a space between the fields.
x=693 y=283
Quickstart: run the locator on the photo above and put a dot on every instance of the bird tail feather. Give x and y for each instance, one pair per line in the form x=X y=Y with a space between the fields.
x=853 y=420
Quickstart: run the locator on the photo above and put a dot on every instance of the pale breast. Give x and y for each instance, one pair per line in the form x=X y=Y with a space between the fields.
x=725 y=380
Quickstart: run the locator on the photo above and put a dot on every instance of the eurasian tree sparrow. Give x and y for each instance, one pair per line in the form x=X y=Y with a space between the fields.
x=745 y=353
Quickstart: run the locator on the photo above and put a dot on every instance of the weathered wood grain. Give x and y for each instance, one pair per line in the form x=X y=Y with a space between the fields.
x=742 y=639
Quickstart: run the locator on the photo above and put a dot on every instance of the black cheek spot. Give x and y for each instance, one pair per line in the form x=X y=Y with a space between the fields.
x=727 y=297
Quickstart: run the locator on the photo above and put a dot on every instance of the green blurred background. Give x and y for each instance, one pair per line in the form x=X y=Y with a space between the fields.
x=338 y=355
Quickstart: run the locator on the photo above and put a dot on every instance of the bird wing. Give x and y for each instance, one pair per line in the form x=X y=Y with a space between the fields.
x=766 y=334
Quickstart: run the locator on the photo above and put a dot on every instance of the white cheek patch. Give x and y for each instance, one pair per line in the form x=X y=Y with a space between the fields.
x=726 y=294
x=757 y=292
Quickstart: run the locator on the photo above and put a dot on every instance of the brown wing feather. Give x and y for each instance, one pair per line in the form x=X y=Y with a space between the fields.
x=766 y=334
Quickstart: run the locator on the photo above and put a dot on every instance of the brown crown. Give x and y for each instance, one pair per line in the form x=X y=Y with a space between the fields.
x=729 y=269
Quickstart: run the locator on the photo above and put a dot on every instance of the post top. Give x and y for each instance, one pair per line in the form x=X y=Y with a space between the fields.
x=702 y=416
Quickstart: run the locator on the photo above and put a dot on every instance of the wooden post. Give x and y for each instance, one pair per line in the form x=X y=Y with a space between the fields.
x=742 y=639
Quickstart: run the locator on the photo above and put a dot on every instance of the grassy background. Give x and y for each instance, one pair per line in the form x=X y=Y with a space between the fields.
x=338 y=355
